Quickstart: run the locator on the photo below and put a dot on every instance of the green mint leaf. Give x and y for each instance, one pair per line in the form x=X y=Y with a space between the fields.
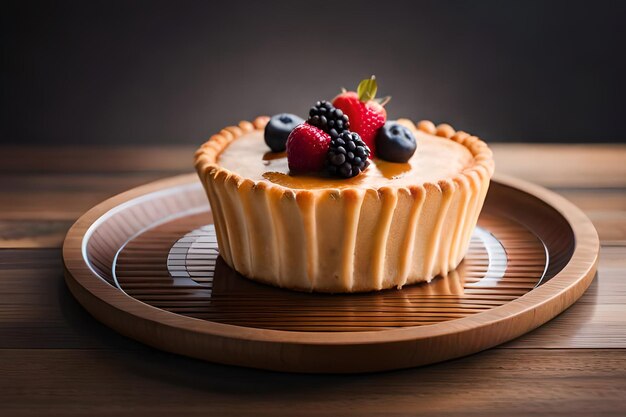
x=367 y=89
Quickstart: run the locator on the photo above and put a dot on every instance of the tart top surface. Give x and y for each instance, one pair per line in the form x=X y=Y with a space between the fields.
x=345 y=144
x=437 y=158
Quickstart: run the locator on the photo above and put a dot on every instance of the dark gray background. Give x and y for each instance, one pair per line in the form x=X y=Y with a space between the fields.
x=139 y=72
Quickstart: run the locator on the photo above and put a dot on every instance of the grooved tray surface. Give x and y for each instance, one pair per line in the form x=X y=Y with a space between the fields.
x=147 y=264
x=184 y=275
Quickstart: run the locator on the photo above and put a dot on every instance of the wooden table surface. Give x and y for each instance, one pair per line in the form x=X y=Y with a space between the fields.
x=56 y=360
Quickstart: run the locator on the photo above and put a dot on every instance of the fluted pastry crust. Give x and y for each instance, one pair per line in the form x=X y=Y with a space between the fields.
x=344 y=240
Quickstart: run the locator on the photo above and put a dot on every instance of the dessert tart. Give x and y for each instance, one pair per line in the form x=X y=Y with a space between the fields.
x=391 y=224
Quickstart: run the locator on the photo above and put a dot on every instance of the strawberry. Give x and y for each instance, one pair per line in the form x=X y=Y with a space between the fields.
x=307 y=147
x=366 y=114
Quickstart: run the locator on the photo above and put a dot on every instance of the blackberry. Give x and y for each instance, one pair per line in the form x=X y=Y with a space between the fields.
x=347 y=156
x=328 y=118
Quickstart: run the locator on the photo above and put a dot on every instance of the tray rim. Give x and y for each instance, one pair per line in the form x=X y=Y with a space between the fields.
x=112 y=306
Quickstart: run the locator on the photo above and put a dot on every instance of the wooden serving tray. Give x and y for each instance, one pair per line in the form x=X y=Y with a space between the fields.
x=146 y=264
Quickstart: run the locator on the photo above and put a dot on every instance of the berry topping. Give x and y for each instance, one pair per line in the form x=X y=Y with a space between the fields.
x=395 y=142
x=277 y=130
x=366 y=114
x=307 y=147
x=347 y=155
x=331 y=120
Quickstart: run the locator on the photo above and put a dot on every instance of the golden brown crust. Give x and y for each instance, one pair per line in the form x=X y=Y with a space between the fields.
x=427 y=126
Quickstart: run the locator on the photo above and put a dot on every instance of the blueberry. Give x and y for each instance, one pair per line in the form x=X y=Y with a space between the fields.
x=278 y=129
x=395 y=143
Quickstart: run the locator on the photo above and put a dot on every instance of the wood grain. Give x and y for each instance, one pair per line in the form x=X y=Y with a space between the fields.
x=598 y=166
x=492 y=383
x=42 y=186
x=597 y=319
x=44 y=315
x=29 y=221
x=92 y=245
x=93 y=159
x=578 y=165
x=37 y=310
x=55 y=358
x=31 y=233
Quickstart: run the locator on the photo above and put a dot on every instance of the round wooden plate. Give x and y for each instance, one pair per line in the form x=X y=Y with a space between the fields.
x=146 y=264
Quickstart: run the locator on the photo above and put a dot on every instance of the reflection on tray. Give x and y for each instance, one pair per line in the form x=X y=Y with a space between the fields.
x=504 y=261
